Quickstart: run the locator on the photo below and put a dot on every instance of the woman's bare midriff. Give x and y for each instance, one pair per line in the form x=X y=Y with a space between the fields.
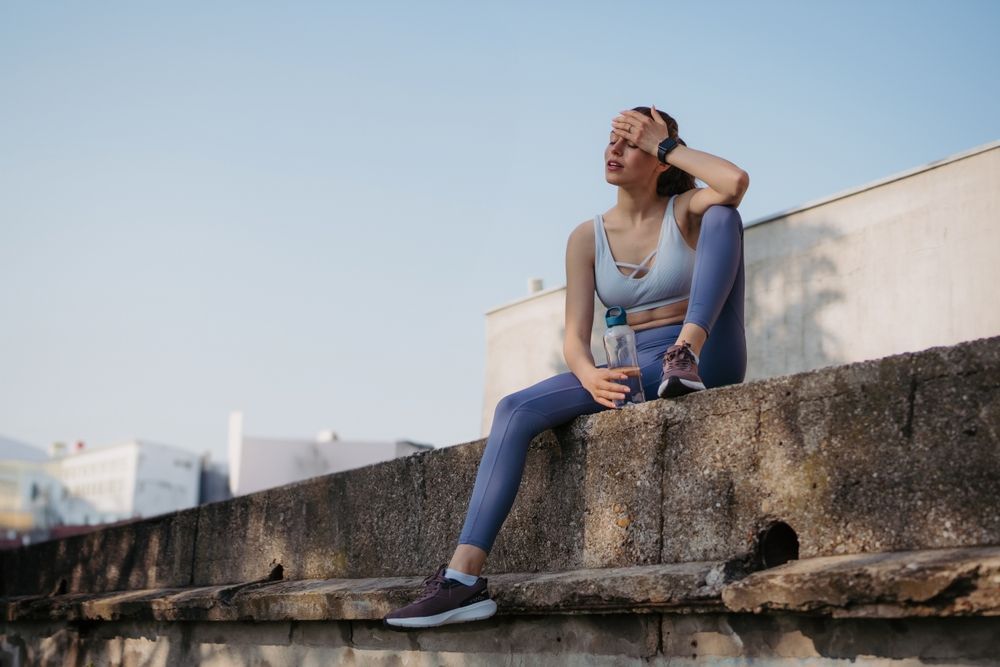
x=672 y=313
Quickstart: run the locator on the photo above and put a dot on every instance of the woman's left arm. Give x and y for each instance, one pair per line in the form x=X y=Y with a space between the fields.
x=726 y=182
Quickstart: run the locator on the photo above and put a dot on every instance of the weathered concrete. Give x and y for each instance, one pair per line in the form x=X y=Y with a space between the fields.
x=940 y=582
x=943 y=582
x=605 y=640
x=896 y=454
x=900 y=453
x=639 y=536
x=156 y=552
x=681 y=587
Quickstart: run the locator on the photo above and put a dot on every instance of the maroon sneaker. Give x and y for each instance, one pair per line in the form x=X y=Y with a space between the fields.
x=680 y=372
x=443 y=601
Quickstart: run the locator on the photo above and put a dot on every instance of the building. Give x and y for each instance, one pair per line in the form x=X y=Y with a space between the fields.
x=27 y=487
x=132 y=479
x=898 y=265
x=214 y=484
x=42 y=492
x=257 y=463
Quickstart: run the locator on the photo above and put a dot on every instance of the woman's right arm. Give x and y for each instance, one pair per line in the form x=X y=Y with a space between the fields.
x=580 y=319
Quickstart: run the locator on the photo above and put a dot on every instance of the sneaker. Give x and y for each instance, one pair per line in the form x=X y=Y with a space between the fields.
x=443 y=601
x=680 y=372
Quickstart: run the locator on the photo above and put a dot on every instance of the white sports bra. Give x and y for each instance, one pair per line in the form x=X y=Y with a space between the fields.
x=668 y=281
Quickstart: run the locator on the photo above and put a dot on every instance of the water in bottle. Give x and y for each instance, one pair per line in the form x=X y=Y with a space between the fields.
x=619 y=344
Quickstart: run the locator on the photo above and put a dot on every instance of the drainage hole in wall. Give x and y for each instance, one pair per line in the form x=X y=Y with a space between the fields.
x=777 y=544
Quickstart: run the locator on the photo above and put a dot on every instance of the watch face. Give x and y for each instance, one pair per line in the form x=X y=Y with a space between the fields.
x=665 y=147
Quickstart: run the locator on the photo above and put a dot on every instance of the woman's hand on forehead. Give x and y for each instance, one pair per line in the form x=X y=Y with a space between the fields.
x=640 y=129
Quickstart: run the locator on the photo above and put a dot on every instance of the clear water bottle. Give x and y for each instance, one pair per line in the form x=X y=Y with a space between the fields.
x=619 y=344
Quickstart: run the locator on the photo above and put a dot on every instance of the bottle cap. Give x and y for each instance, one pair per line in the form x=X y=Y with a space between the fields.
x=615 y=316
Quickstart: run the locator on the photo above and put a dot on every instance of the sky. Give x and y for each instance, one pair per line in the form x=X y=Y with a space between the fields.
x=303 y=210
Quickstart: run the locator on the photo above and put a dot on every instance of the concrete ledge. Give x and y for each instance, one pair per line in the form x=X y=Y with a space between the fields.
x=943 y=582
x=939 y=583
x=686 y=587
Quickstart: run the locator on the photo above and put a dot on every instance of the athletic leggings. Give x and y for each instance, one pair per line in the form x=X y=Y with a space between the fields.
x=715 y=304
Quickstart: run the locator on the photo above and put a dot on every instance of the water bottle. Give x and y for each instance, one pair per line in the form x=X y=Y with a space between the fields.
x=619 y=344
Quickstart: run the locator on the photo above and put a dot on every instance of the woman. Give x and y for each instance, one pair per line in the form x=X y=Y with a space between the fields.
x=686 y=308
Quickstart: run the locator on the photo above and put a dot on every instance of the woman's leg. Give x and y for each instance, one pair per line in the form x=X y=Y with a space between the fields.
x=714 y=323
x=723 y=358
x=521 y=416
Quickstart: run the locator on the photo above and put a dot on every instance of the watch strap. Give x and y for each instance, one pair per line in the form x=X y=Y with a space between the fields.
x=665 y=147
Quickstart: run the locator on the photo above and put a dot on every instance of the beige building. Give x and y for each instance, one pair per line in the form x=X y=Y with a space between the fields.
x=898 y=265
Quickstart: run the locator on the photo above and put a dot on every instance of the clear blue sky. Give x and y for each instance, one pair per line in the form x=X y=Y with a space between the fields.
x=302 y=210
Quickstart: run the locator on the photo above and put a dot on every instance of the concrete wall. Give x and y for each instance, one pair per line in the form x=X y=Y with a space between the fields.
x=840 y=516
x=895 y=454
x=557 y=640
x=898 y=265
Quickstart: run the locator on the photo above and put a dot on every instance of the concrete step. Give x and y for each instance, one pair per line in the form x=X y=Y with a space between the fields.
x=940 y=583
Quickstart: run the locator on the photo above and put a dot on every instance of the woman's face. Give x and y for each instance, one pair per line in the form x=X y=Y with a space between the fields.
x=627 y=164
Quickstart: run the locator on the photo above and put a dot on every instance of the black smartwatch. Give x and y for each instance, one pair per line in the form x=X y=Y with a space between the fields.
x=665 y=147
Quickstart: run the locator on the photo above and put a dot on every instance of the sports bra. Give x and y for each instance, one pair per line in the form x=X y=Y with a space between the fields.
x=667 y=281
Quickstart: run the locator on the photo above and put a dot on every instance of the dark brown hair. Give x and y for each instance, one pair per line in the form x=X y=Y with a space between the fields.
x=673 y=181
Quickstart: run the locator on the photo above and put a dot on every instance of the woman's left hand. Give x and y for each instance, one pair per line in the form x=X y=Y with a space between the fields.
x=640 y=129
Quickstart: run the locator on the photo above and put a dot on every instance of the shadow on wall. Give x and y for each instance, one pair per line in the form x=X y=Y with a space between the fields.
x=796 y=278
x=557 y=363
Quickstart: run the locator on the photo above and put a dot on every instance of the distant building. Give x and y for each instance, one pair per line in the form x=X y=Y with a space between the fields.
x=44 y=494
x=257 y=463
x=897 y=265
x=137 y=478
x=28 y=487
x=214 y=481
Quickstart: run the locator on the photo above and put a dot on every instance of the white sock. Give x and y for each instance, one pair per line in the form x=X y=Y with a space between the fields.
x=467 y=579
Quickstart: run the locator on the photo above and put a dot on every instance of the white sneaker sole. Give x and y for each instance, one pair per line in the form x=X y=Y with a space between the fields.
x=473 y=612
x=678 y=387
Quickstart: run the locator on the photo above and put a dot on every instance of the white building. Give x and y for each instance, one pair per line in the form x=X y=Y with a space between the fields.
x=83 y=486
x=137 y=478
x=257 y=463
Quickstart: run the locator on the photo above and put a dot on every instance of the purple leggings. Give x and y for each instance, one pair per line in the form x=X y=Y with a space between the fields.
x=716 y=304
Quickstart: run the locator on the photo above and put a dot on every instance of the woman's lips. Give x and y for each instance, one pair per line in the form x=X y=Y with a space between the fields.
x=614 y=166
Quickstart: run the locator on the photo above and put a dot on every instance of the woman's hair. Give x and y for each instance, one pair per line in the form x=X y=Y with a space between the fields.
x=673 y=181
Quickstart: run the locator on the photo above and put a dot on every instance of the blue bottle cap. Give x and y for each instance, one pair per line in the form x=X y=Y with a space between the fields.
x=615 y=316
